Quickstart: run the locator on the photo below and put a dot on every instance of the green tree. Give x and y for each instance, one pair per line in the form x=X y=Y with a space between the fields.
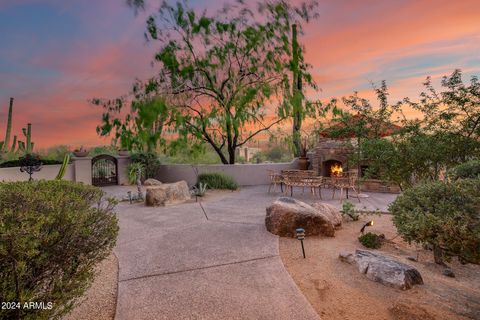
x=222 y=73
x=455 y=110
x=408 y=151
x=140 y=129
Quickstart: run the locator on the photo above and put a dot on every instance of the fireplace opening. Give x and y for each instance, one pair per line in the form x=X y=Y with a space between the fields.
x=332 y=168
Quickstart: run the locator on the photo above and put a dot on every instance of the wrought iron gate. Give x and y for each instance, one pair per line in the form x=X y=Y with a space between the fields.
x=104 y=170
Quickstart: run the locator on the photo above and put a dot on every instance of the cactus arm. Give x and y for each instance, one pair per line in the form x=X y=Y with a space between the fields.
x=21 y=146
x=29 y=138
x=9 y=126
x=14 y=144
x=63 y=168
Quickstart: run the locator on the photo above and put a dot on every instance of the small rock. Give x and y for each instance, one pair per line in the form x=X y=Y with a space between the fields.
x=151 y=182
x=412 y=258
x=346 y=257
x=449 y=273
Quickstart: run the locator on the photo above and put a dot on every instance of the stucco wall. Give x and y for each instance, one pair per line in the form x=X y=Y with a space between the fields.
x=244 y=174
x=48 y=173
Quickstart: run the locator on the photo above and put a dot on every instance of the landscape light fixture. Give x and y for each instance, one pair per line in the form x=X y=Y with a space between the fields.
x=300 y=234
x=129 y=196
x=368 y=224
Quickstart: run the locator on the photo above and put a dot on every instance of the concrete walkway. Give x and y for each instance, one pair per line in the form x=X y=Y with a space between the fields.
x=209 y=260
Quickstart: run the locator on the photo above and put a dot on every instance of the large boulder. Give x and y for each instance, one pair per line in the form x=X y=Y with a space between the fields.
x=383 y=269
x=167 y=193
x=331 y=212
x=287 y=214
x=151 y=182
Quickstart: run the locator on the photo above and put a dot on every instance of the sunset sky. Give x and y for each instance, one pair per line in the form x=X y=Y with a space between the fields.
x=57 y=54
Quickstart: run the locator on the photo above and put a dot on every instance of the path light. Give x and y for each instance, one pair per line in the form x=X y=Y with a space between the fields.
x=368 y=224
x=129 y=196
x=300 y=233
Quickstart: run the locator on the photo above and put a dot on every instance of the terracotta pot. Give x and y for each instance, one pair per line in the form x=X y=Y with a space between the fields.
x=123 y=153
x=80 y=154
x=303 y=163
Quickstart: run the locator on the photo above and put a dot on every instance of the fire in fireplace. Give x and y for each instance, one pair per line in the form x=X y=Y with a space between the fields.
x=333 y=168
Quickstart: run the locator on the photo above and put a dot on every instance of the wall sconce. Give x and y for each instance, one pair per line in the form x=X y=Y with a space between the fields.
x=300 y=234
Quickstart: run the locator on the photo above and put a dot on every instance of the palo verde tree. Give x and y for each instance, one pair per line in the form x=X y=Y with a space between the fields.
x=222 y=73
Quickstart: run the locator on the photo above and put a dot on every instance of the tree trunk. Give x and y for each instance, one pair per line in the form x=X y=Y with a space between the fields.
x=231 y=154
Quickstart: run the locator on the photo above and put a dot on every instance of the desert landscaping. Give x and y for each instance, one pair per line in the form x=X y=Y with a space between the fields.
x=244 y=160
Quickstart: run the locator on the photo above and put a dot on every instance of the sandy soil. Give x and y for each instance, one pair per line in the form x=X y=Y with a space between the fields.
x=99 y=302
x=338 y=291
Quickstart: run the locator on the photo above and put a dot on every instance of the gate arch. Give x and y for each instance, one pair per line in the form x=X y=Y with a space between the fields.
x=104 y=170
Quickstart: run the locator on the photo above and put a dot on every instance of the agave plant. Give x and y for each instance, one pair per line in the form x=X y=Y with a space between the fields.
x=200 y=189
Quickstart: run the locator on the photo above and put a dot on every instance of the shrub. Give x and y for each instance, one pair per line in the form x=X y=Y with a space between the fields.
x=371 y=240
x=348 y=209
x=444 y=216
x=52 y=233
x=217 y=180
x=149 y=161
x=132 y=172
x=16 y=163
x=470 y=169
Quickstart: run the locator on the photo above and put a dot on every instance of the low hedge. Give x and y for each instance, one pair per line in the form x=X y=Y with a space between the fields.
x=217 y=180
x=371 y=240
x=16 y=163
x=52 y=234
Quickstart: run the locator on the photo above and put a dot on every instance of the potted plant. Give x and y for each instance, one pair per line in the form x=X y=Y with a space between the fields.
x=80 y=152
x=303 y=162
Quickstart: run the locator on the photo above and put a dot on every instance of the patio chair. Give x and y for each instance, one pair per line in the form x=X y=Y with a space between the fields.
x=311 y=182
x=345 y=183
x=275 y=178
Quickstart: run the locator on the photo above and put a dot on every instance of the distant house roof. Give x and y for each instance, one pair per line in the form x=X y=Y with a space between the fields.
x=343 y=129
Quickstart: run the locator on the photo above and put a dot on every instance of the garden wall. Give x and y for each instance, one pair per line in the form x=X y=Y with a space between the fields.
x=244 y=174
x=48 y=172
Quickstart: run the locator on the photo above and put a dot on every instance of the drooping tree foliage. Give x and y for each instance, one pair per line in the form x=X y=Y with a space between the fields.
x=141 y=128
x=222 y=72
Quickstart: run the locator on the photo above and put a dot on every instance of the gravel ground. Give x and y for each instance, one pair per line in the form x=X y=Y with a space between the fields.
x=338 y=291
x=99 y=302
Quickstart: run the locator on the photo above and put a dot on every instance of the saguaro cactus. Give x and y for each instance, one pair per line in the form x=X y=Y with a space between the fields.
x=26 y=147
x=4 y=145
x=9 y=126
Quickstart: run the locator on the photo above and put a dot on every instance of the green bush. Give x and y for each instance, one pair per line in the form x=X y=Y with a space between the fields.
x=217 y=180
x=470 y=169
x=16 y=163
x=150 y=163
x=444 y=216
x=52 y=233
x=132 y=171
x=371 y=240
x=348 y=209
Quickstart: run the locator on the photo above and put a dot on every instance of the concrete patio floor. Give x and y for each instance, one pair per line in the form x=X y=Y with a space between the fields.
x=208 y=260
